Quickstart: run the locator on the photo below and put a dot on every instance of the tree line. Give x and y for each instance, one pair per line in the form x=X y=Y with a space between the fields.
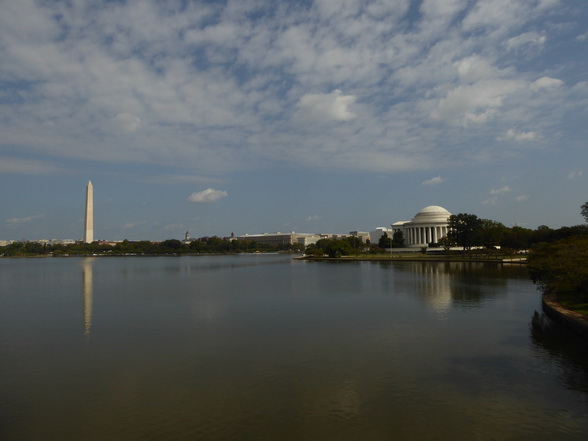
x=207 y=245
x=466 y=231
x=560 y=268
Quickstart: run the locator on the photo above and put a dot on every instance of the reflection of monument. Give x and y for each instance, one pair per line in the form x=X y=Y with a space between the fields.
x=443 y=284
x=87 y=275
x=434 y=282
x=89 y=220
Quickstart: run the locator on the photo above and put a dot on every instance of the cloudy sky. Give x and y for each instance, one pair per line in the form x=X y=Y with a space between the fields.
x=252 y=116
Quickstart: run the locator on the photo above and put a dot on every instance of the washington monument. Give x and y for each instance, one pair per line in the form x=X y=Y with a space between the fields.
x=89 y=222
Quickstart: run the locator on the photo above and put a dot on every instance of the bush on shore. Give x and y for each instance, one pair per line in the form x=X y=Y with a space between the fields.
x=561 y=268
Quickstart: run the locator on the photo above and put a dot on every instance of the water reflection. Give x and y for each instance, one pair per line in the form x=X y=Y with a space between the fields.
x=554 y=342
x=442 y=284
x=434 y=282
x=87 y=291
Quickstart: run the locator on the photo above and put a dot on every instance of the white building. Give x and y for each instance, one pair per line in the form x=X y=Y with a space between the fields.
x=281 y=239
x=378 y=233
x=428 y=226
x=364 y=236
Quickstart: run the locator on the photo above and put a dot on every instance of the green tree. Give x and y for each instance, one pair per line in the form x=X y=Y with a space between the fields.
x=518 y=238
x=14 y=249
x=124 y=247
x=446 y=243
x=398 y=240
x=146 y=247
x=332 y=248
x=385 y=241
x=561 y=267
x=34 y=248
x=355 y=243
x=491 y=233
x=217 y=245
x=542 y=234
x=465 y=230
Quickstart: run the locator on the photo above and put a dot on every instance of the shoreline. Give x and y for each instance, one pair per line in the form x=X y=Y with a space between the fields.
x=566 y=317
x=473 y=259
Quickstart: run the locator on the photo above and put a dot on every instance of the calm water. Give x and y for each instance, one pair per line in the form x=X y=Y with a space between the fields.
x=267 y=348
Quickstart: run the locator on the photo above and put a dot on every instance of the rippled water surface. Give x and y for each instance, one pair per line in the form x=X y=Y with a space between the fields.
x=264 y=347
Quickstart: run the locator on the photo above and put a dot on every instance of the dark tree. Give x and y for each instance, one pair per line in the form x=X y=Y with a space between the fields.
x=445 y=243
x=465 y=230
x=398 y=240
x=331 y=247
x=561 y=267
x=171 y=246
x=585 y=211
x=355 y=243
x=491 y=233
x=385 y=241
x=518 y=238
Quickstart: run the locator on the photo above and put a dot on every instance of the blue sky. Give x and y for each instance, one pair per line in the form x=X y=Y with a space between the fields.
x=253 y=116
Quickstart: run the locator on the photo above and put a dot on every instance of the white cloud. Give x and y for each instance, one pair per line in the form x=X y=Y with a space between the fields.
x=501 y=190
x=475 y=68
x=433 y=181
x=174 y=227
x=23 y=220
x=314 y=218
x=208 y=195
x=545 y=4
x=183 y=179
x=474 y=103
x=129 y=225
x=28 y=166
x=213 y=86
x=546 y=83
x=325 y=107
x=493 y=14
x=517 y=136
x=575 y=174
x=525 y=40
x=127 y=122
x=522 y=198
x=490 y=201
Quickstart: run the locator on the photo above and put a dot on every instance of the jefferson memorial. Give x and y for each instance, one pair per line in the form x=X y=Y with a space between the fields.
x=428 y=226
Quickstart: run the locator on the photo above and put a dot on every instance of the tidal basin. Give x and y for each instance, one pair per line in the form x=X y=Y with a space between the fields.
x=264 y=347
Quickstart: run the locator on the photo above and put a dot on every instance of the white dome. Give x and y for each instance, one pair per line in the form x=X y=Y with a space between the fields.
x=433 y=214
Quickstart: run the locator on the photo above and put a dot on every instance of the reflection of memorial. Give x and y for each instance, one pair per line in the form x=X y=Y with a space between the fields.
x=87 y=287
x=434 y=282
x=444 y=283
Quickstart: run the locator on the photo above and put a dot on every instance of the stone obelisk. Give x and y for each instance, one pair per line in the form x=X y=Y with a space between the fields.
x=89 y=223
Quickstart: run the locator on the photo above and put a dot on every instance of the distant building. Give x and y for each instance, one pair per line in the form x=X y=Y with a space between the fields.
x=378 y=233
x=281 y=239
x=364 y=236
x=428 y=226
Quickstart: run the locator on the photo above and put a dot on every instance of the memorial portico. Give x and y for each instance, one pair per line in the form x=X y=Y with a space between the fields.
x=428 y=226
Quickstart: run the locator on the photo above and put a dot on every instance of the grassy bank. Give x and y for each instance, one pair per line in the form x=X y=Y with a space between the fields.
x=573 y=304
x=562 y=267
x=416 y=257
